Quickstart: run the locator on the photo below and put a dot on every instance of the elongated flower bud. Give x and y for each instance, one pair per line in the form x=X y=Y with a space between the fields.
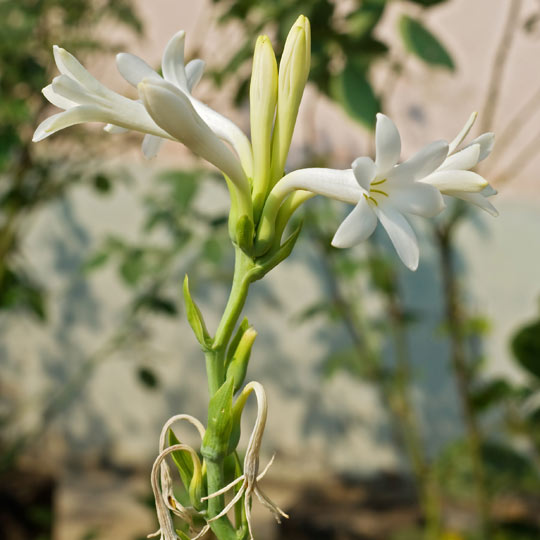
x=263 y=99
x=238 y=367
x=293 y=74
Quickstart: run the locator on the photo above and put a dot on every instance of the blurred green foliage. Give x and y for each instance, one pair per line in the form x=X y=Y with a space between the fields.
x=344 y=46
x=29 y=177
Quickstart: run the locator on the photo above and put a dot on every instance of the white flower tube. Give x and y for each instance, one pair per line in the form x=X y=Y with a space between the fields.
x=172 y=110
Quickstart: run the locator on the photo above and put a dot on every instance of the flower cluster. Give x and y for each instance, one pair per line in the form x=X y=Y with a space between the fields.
x=262 y=197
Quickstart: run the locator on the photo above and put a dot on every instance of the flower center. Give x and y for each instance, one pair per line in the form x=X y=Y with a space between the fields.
x=375 y=193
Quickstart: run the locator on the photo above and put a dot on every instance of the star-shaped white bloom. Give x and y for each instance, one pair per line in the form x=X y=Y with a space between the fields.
x=389 y=190
x=382 y=190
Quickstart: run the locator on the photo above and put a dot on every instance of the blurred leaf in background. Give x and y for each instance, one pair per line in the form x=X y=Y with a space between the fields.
x=344 y=51
x=31 y=177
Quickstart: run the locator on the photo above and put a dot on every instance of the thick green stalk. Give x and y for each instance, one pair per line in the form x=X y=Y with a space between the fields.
x=215 y=358
x=215 y=367
x=222 y=528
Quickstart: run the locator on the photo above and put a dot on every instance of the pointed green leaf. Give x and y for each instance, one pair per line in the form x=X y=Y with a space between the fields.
x=237 y=368
x=419 y=41
x=182 y=535
x=216 y=439
x=244 y=325
x=195 y=318
x=182 y=460
x=244 y=233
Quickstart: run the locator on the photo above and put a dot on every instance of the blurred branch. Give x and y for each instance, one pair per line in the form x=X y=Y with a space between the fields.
x=499 y=65
x=523 y=158
x=462 y=371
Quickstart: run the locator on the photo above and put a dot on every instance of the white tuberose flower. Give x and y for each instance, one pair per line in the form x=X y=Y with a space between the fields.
x=183 y=77
x=85 y=99
x=382 y=191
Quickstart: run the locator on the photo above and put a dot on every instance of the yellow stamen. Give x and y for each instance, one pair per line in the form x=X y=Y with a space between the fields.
x=379 y=191
x=379 y=182
x=370 y=199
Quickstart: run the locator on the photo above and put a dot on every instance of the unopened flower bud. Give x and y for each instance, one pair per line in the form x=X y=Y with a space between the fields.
x=293 y=74
x=263 y=97
x=238 y=366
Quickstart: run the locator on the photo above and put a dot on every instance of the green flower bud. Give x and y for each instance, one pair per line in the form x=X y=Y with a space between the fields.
x=238 y=366
x=263 y=98
x=245 y=233
x=293 y=74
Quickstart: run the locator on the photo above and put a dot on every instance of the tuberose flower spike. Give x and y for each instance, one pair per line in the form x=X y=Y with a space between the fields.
x=251 y=475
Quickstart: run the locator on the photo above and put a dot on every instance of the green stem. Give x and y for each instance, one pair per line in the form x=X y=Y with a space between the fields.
x=215 y=367
x=222 y=527
x=404 y=410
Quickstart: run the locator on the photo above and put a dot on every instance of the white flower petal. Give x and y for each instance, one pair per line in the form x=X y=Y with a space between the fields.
x=111 y=128
x=356 y=227
x=75 y=115
x=364 y=170
x=151 y=145
x=133 y=68
x=486 y=142
x=419 y=199
x=478 y=199
x=463 y=133
x=68 y=65
x=387 y=143
x=227 y=131
x=172 y=110
x=194 y=72
x=423 y=163
x=172 y=63
x=463 y=160
x=56 y=99
x=489 y=191
x=400 y=233
x=333 y=183
x=71 y=90
x=456 y=181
